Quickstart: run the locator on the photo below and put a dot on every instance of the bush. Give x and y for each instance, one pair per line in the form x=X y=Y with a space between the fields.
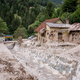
x=20 y=32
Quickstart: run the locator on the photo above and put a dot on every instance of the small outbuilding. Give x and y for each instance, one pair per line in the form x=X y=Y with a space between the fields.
x=8 y=37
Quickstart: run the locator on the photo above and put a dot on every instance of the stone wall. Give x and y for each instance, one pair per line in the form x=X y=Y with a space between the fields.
x=67 y=67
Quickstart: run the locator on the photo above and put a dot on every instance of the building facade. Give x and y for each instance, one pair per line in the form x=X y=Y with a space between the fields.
x=58 y=31
x=74 y=33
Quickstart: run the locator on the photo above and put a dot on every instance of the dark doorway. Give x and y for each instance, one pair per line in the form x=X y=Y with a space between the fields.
x=59 y=37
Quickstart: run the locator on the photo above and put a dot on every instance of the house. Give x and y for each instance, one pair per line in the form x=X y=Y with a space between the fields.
x=74 y=33
x=57 y=32
x=53 y=30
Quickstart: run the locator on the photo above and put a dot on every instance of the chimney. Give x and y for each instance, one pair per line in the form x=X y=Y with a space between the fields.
x=67 y=21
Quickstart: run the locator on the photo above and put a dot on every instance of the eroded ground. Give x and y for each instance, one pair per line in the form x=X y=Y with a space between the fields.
x=49 y=61
x=11 y=68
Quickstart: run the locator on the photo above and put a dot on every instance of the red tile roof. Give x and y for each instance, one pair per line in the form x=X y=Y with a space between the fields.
x=43 y=25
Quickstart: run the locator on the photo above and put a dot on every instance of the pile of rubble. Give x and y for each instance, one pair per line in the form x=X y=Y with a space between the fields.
x=63 y=57
x=11 y=68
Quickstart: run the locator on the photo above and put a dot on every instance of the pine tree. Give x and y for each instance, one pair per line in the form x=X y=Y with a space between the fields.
x=49 y=10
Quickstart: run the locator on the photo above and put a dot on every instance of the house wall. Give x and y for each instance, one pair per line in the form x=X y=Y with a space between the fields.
x=55 y=33
x=40 y=38
x=48 y=30
x=55 y=36
x=74 y=37
x=65 y=36
x=59 y=21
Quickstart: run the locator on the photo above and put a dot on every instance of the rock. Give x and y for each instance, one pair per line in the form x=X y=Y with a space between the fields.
x=61 y=71
x=63 y=60
x=70 y=62
x=73 y=72
x=56 y=58
x=67 y=69
x=70 y=77
x=44 y=61
x=64 y=73
x=64 y=67
x=38 y=45
x=49 y=56
x=51 y=65
x=56 y=67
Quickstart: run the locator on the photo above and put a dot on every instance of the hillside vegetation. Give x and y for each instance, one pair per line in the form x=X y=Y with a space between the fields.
x=21 y=17
x=57 y=1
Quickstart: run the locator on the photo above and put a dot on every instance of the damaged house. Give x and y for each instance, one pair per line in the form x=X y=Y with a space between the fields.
x=74 y=33
x=55 y=30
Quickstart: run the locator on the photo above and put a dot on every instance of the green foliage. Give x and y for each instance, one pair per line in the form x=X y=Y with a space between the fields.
x=18 y=12
x=41 y=2
x=49 y=10
x=65 y=15
x=41 y=17
x=31 y=13
x=21 y=31
x=57 y=1
x=34 y=26
x=53 y=15
x=69 y=5
x=16 y=22
x=78 y=3
x=3 y=26
x=75 y=17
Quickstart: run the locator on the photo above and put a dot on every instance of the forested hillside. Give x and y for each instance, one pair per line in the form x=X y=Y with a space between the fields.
x=18 y=13
x=21 y=17
x=57 y=1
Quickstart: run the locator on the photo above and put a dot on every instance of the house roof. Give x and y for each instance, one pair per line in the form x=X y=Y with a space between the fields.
x=75 y=26
x=43 y=25
x=42 y=30
x=8 y=35
x=58 y=25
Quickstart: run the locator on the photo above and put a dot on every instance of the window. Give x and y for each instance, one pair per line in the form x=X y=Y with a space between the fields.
x=43 y=35
x=60 y=34
x=47 y=33
x=51 y=35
